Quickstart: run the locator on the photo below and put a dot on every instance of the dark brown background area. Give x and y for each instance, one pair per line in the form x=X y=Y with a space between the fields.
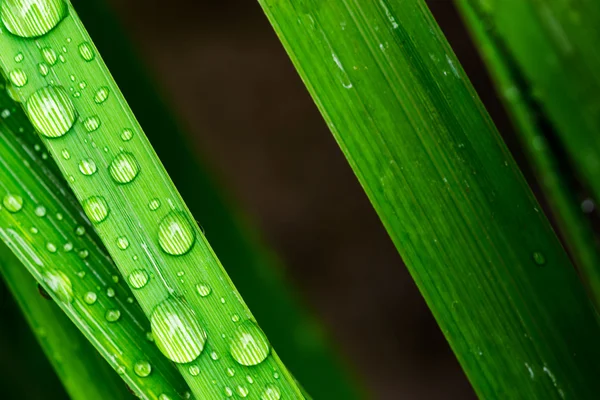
x=227 y=77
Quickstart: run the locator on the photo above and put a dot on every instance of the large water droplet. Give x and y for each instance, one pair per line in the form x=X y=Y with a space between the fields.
x=88 y=167
x=86 y=51
x=101 y=95
x=18 y=77
x=138 y=278
x=124 y=167
x=249 y=345
x=175 y=234
x=271 y=393
x=177 y=332
x=96 y=208
x=142 y=368
x=32 y=18
x=13 y=203
x=60 y=284
x=51 y=111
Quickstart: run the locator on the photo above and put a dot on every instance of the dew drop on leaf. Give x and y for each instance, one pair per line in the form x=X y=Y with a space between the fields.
x=271 y=393
x=32 y=18
x=177 y=332
x=112 y=315
x=249 y=345
x=96 y=208
x=91 y=124
x=175 y=234
x=138 y=278
x=101 y=95
x=90 y=298
x=539 y=258
x=51 y=111
x=88 y=167
x=49 y=55
x=203 y=289
x=60 y=284
x=194 y=370
x=13 y=203
x=86 y=51
x=18 y=77
x=142 y=368
x=124 y=168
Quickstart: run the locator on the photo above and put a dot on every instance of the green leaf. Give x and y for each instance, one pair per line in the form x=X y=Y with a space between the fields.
x=84 y=374
x=450 y=195
x=148 y=230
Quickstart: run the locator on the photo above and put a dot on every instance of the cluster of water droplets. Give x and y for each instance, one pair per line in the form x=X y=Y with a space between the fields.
x=177 y=331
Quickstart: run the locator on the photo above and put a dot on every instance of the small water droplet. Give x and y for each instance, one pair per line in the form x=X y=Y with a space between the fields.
x=271 y=393
x=59 y=216
x=242 y=391
x=249 y=345
x=90 y=298
x=112 y=315
x=539 y=258
x=230 y=371
x=177 y=332
x=49 y=55
x=126 y=135
x=18 y=77
x=68 y=247
x=175 y=234
x=13 y=203
x=51 y=247
x=138 y=278
x=32 y=18
x=80 y=231
x=142 y=368
x=101 y=95
x=19 y=57
x=51 y=111
x=92 y=123
x=44 y=69
x=88 y=167
x=203 y=289
x=228 y=391
x=214 y=356
x=65 y=154
x=110 y=292
x=83 y=254
x=249 y=379
x=96 y=208
x=194 y=370
x=124 y=168
x=86 y=51
x=164 y=397
x=235 y=318
x=154 y=204
x=122 y=243
x=60 y=284
x=40 y=211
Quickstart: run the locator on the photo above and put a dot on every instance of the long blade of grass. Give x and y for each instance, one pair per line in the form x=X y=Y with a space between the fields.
x=539 y=138
x=198 y=319
x=254 y=270
x=41 y=223
x=84 y=374
x=450 y=195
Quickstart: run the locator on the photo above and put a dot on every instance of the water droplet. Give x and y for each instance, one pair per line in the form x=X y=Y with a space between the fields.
x=249 y=379
x=126 y=135
x=539 y=258
x=86 y=51
x=65 y=154
x=122 y=243
x=242 y=391
x=175 y=234
x=51 y=111
x=124 y=168
x=13 y=203
x=271 y=393
x=112 y=315
x=110 y=292
x=235 y=318
x=194 y=370
x=96 y=208
x=40 y=211
x=49 y=55
x=203 y=290
x=68 y=247
x=88 y=167
x=60 y=284
x=19 y=57
x=142 y=368
x=51 y=247
x=154 y=204
x=228 y=391
x=18 y=77
x=91 y=123
x=44 y=69
x=101 y=95
x=81 y=274
x=164 y=397
x=249 y=345
x=83 y=254
x=230 y=371
x=32 y=18
x=80 y=231
x=138 y=278
x=90 y=298
x=177 y=331
x=214 y=356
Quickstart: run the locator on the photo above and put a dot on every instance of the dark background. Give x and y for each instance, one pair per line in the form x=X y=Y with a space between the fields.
x=227 y=78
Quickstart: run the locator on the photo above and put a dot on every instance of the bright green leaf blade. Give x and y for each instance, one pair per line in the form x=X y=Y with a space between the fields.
x=255 y=272
x=539 y=141
x=41 y=223
x=449 y=193
x=198 y=319
x=84 y=374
